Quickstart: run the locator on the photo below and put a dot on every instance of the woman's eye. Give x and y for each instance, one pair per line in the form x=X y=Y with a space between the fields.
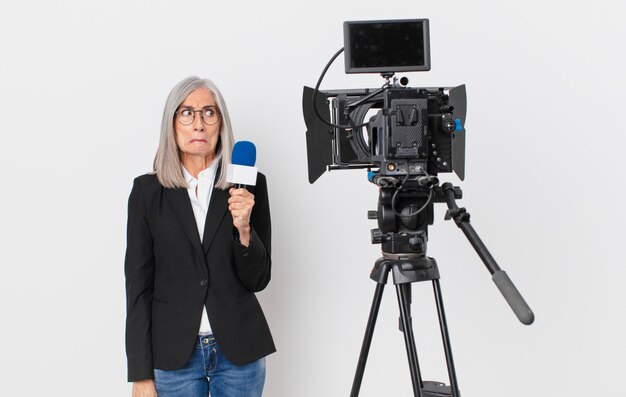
x=186 y=112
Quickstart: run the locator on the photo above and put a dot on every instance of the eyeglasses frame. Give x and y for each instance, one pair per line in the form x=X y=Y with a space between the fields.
x=194 y=111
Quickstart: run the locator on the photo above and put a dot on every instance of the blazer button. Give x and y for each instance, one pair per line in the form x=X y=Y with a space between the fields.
x=204 y=282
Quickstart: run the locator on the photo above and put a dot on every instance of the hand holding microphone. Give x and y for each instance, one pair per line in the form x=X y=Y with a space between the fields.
x=242 y=173
x=240 y=206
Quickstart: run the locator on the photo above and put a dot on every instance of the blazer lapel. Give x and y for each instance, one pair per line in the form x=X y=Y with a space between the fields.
x=215 y=215
x=182 y=206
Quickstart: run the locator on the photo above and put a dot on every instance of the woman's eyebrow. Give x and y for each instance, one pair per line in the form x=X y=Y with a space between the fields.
x=191 y=107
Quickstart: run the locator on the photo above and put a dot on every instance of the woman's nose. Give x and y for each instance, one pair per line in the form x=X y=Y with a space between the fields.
x=198 y=124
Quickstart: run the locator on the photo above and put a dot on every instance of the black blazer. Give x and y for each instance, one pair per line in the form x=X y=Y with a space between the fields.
x=171 y=275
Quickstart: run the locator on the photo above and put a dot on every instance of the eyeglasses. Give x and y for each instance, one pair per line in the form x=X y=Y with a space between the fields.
x=210 y=115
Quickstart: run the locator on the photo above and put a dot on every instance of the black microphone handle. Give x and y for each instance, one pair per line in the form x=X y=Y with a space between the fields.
x=513 y=297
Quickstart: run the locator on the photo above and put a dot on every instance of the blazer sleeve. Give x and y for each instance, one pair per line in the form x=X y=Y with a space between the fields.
x=254 y=263
x=139 y=272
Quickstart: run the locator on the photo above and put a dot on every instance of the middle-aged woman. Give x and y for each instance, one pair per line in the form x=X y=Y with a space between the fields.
x=197 y=250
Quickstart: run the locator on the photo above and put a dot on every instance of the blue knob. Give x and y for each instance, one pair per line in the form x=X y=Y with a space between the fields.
x=370 y=175
x=459 y=127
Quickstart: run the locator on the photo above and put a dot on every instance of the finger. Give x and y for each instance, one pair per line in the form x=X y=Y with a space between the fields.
x=240 y=192
x=238 y=210
x=236 y=206
x=238 y=199
x=240 y=220
x=240 y=205
x=240 y=214
x=241 y=200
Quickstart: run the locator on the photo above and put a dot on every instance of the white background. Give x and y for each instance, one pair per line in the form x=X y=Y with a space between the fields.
x=82 y=88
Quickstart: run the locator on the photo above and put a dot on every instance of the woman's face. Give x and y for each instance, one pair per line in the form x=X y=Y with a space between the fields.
x=197 y=138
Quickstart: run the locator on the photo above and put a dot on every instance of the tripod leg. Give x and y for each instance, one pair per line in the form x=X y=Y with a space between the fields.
x=403 y=291
x=446 y=339
x=367 y=340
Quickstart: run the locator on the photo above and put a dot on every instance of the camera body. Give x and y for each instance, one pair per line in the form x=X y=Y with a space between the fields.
x=400 y=131
x=413 y=129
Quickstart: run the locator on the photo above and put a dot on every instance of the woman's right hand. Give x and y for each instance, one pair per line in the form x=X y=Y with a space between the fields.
x=144 y=388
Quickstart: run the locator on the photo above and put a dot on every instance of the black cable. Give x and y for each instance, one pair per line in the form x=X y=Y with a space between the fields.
x=316 y=90
x=360 y=113
x=399 y=188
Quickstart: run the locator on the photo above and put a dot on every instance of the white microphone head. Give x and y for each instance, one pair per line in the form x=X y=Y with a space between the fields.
x=241 y=174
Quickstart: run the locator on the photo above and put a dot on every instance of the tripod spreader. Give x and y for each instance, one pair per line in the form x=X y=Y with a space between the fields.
x=500 y=278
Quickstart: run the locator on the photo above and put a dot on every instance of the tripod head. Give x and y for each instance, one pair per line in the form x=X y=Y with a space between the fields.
x=405 y=210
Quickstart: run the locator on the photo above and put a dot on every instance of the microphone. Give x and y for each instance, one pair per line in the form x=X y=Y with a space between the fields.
x=242 y=171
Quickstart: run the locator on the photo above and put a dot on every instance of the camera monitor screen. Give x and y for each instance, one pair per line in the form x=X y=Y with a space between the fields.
x=386 y=46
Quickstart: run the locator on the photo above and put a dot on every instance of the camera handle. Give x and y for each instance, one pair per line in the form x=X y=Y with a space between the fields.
x=500 y=278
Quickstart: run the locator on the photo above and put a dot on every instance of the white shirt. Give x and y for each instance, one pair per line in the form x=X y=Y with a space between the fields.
x=199 y=191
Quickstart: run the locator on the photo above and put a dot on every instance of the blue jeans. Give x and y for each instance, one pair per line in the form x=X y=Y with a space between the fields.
x=208 y=370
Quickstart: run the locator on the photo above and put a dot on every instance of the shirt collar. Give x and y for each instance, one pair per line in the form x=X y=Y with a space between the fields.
x=209 y=171
x=188 y=177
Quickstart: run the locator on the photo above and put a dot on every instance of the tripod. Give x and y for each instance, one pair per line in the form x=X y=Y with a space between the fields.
x=403 y=218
